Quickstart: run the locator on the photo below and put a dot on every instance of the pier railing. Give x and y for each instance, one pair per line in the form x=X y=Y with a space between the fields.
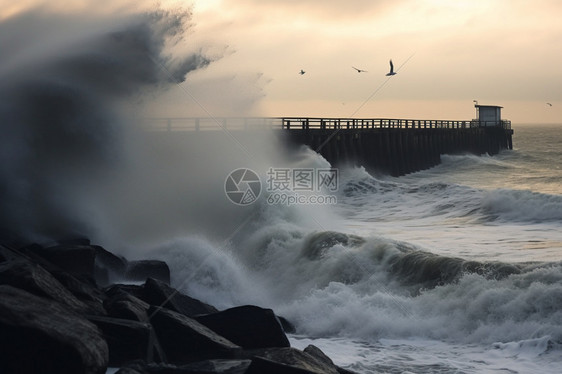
x=385 y=123
x=308 y=123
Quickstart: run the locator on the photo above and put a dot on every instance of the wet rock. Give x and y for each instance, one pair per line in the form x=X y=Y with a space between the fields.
x=186 y=340
x=219 y=366
x=84 y=290
x=247 y=326
x=160 y=294
x=132 y=289
x=128 y=340
x=38 y=281
x=143 y=269
x=8 y=254
x=43 y=336
x=288 y=361
x=124 y=305
x=85 y=260
x=317 y=353
x=288 y=327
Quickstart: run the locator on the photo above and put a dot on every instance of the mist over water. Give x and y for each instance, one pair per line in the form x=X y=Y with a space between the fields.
x=75 y=159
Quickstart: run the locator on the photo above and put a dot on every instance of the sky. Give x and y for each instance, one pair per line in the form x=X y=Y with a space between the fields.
x=447 y=53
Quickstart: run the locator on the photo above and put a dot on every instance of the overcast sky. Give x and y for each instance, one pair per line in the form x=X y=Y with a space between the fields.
x=447 y=53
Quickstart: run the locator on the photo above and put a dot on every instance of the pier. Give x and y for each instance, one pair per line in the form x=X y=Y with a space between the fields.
x=397 y=146
x=393 y=146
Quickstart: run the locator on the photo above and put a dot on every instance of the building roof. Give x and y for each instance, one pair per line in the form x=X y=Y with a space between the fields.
x=487 y=106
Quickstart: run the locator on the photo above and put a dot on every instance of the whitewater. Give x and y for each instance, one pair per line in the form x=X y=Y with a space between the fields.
x=455 y=269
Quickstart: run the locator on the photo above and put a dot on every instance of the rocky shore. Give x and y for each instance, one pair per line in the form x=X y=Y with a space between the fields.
x=74 y=307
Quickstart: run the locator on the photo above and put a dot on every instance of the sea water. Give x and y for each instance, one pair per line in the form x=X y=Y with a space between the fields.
x=454 y=269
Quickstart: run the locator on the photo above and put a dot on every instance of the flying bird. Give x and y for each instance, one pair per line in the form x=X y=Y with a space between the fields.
x=359 y=70
x=549 y=104
x=391 y=72
x=302 y=72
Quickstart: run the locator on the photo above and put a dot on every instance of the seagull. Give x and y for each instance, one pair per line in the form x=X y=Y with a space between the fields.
x=302 y=72
x=359 y=70
x=391 y=72
x=549 y=104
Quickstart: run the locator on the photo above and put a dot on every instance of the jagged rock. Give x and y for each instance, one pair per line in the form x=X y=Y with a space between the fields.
x=219 y=366
x=136 y=367
x=124 y=305
x=317 y=353
x=83 y=289
x=345 y=371
x=160 y=294
x=8 y=254
x=42 y=336
x=132 y=289
x=288 y=327
x=85 y=260
x=248 y=326
x=186 y=340
x=128 y=340
x=143 y=269
x=38 y=281
x=288 y=361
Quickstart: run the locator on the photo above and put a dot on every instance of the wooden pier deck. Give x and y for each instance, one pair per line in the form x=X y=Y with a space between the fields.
x=397 y=146
x=394 y=146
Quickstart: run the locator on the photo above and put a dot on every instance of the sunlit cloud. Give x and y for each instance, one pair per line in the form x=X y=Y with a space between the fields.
x=496 y=50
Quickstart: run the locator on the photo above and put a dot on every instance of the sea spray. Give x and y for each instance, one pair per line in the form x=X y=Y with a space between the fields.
x=63 y=88
x=77 y=158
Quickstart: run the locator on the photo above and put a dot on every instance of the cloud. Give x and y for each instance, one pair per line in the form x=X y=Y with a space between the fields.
x=336 y=10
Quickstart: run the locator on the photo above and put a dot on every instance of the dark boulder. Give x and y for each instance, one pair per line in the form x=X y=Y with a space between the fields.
x=132 y=289
x=288 y=327
x=84 y=289
x=85 y=260
x=143 y=269
x=218 y=366
x=317 y=353
x=8 y=254
x=248 y=326
x=160 y=294
x=128 y=340
x=42 y=336
x=124 y=305
x=289 y=361
x=38 y=281
x=186 y=340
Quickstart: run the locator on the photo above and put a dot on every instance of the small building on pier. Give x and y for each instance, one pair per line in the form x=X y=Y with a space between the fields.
x=488 y=115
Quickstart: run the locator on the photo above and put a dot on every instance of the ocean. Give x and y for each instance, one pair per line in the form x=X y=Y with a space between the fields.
x=454 y=269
